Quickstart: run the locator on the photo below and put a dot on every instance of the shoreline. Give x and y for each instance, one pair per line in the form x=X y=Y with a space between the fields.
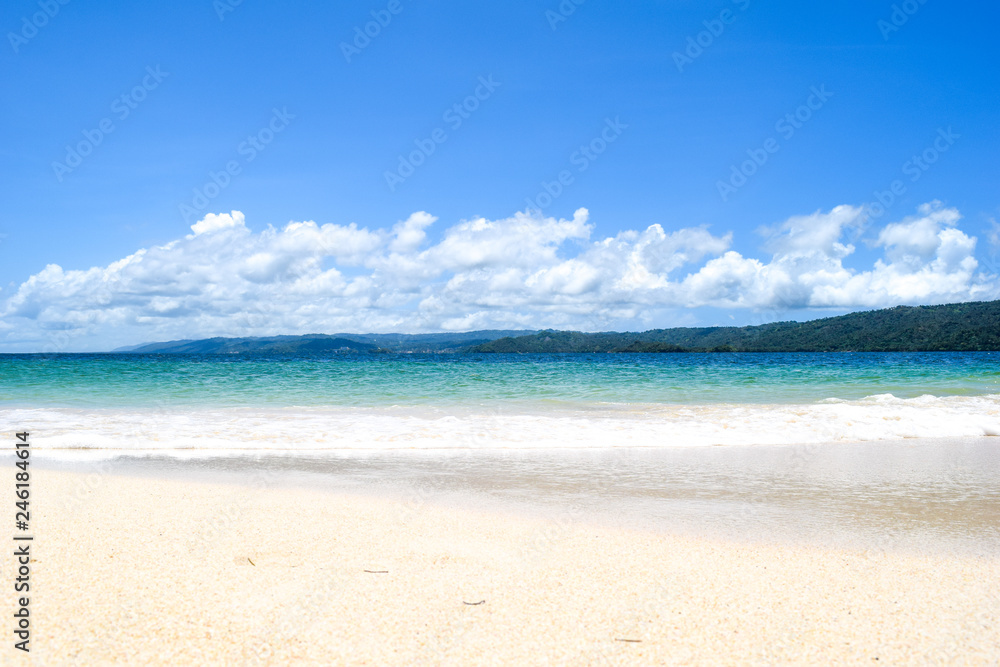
x=921 y=496
x=140 y=569
x=482 y=423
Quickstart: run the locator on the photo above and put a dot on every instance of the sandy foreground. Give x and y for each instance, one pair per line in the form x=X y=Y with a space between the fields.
x=158 y=571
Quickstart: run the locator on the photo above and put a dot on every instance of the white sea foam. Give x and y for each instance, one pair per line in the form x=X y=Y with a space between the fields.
x=105 y=432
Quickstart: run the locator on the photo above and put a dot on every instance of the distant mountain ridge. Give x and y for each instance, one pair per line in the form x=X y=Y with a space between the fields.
x=325 y=343
x=971 y=326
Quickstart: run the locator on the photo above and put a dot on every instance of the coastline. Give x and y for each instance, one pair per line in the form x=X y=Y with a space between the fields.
x=139 y=568
x=521 y=424
x=918 y=495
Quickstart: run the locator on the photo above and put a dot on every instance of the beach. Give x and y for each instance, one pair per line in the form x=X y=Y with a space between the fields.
x=250 y=569
x=468 y=510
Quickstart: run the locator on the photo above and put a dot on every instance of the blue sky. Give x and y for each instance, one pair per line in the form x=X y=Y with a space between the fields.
x=191 y=88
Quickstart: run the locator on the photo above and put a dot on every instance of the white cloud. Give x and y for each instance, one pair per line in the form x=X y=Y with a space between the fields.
x=524 y=271
x=927 y=260
x=409 y=234
x=216 y=221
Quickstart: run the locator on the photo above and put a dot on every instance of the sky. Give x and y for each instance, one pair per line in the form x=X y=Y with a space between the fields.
x=234 y=168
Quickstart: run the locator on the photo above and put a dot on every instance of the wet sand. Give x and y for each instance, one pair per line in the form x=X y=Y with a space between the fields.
x=919 y=495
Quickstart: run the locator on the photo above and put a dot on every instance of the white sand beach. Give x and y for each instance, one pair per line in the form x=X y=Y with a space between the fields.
x=140 y=570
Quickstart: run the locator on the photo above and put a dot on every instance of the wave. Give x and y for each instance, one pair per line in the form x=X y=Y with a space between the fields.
x=188 y=433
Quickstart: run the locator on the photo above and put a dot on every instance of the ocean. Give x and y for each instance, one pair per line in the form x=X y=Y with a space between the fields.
x=110 y=404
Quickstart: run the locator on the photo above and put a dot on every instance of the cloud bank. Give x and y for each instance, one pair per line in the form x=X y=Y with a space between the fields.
x=525 y=271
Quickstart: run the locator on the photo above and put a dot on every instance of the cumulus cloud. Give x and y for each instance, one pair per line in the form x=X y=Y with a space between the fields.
x=525 y=271
x=927 y=260
x=216 y=221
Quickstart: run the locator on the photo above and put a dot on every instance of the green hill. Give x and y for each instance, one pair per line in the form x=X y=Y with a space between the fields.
x=954 y=327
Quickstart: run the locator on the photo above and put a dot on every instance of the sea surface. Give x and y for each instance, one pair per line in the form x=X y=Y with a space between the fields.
x=194 y=405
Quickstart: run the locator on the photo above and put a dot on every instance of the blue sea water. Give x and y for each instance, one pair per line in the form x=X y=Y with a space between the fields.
x=127 y=380
x=193 y=403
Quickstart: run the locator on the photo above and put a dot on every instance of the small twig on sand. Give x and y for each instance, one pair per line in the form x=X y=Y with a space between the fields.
x=630 y=641
x=251 y=562
x=377 y=571
x=473 y=604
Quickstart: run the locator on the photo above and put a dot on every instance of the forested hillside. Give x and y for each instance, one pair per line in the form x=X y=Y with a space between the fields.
x=959 y=327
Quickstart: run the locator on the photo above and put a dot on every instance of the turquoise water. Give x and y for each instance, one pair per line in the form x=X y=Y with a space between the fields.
x=134 y=381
